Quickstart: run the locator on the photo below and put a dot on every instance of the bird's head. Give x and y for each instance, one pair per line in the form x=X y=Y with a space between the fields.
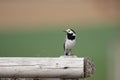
x=70 y=31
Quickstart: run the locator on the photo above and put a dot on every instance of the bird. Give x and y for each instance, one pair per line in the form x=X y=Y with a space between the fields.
x=69 y=42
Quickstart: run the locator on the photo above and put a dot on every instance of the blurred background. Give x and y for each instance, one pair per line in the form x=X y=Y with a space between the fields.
x=34 y=28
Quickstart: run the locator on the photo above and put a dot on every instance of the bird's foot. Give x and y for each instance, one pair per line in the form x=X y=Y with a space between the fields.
x=68 y=56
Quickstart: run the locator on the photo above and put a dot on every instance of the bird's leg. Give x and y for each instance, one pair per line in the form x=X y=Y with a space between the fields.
x=66 y=52
x=70 y=52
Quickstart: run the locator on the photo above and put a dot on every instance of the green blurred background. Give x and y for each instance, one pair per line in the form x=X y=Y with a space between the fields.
x=35 y=28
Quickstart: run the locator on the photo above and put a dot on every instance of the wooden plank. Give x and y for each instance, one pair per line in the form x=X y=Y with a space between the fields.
x=42 y=67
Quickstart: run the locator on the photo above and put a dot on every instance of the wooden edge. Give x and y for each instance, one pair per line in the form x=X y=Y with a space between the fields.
x=89 y=67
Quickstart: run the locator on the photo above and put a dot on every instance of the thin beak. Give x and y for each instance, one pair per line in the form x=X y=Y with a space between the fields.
x=64 y=31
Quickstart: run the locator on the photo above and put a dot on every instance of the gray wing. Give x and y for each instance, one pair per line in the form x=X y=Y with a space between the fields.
x=64 y=44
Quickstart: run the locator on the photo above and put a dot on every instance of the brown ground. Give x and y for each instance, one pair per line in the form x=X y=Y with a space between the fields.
x=57 y=11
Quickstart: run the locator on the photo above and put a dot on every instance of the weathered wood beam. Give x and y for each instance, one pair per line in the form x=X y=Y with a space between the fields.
x=45 y=67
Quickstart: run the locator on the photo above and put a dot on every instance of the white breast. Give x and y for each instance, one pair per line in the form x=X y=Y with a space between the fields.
x=69 y=44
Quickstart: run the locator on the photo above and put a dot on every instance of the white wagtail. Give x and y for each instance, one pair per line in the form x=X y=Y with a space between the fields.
x=70 y=41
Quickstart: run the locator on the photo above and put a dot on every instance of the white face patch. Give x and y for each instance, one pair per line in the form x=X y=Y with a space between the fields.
x=69 y=31
x=74 y=34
